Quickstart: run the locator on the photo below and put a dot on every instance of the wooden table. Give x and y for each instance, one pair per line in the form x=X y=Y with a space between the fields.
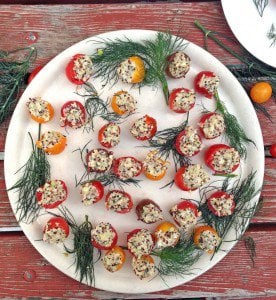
x=53 y=28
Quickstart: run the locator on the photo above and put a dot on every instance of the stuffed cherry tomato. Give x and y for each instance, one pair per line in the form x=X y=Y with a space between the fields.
x=99 y=160
x=211 y=125
x=191 y=177
x=154 y=167
x=114 y=259
x=178 y=64
x=185 y=214
x=52 y=142
x=188 y=142
x=132 y=70
x=118 y=201
x=127 y=167
x=144 y=128
x=79 y=69
x=104 y=236
x=221 y=204
x=56 y=230
x=182 y=100
x=40 y=110
x=166 y=235
x=143 y=267
x=91 y=192
x=206 y=83
x=109 y=135
x=206 y=238
x=34 y=73
x=52 y=193
x=123 y=103
x=222 y=158
x=148 y=211
x=72 y=114
x=140 y=242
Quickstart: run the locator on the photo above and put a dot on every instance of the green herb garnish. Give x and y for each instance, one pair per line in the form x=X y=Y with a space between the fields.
x=261 y=5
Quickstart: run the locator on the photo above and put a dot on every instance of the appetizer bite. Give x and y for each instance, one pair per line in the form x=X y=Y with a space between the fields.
x=52 y=193
x=114 y=259
x=72 y=114
x=52 y=142
x=99 y=160
x=56 y=230
x=222 y=159
x=144 y=128
x=143 y=267
x=154 y=167
x=185 y=214
x=182 y=100
x=206 y=238
x=123 y=103
x=104 y=236
x=188 y=142
x=118 y=201
x=221 y=204
x=40 y=110
x=206 y=83
x=127 y=167
x=109 y=135
x=79 y=69
x=178 y=64
x=191 y=177
x=91 y=192
x=148 y=211
x=140 y=242
x=166 y=235
x=211 y=125
x=132 y=70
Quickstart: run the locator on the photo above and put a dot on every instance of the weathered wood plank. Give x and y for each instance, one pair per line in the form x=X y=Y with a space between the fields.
x=233 y=277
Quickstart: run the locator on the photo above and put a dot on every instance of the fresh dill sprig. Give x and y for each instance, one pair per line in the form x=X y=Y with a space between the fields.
x=271 y=35
x=261 y=5
x=243 y=190
x=12 y=76
x=235 y=134
x=35 y=172
x=177 y=260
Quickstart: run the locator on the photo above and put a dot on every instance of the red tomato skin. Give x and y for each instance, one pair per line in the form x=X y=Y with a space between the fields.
x=150 y=121
x=101 y=247
x=117 y=161
x=172 y=97
x=130 y=203
x=38 y=196
x=219 y=194
x=34 y=73
x=58 y=222
x=178 y=143
x=170 y=58
x=68 y=104
x=134 y=231
x=188 y=204
x=89 y=169
x=202 y=120
x=272 y=150
x=209 y=156
x=101 y=136
x=202 y=90
x=140 y=206
x=100 y=188
x=179 y=181
x=70 y=72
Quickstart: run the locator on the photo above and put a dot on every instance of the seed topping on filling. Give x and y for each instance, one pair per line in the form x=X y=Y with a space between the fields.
x=126 y=69
x=50 y=139
x=83 y=68
x=117 y=201
x=184 y=100
x=213 y=126
x=100 y=160
x=225 y=159
x=190 y=142
x=112 y=261
x=210 y=83
x=223 y=205
x=180 y=65
x=141 y=128
x=111 y=135
x=154 y=165
x=129 y=168
x=195 y=176
x=167 y=238
x=150 y=214
x=208 y=240
x=38 y=108
x=126 y=102
x=54 y=235
x=103 y=234
x=89 y=193
x=73 y=115
x=141 y=243
x=186 y=218
x=143 y=268
x=52 y=192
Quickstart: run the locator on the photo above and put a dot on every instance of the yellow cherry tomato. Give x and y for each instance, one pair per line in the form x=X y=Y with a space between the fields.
x=261 y=92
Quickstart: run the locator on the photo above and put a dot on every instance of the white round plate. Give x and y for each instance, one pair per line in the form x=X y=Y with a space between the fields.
x=52 y=85
x=251 y=29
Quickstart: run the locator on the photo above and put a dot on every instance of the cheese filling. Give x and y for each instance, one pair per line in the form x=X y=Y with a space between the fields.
x=112 y=261
x=100 y=160
x=223 y=205
x=50 y=139
x=103 y=234
x=117 y=201
x=52 y=192
x=111 y=135
x=73 y=115
x=143 y=268
x=150 y=214
x=195 y=176
x=39 y=108
x=213 y=126
x=186 y=218
x=225 y=159
x=141 y=128
x=129 y=168
x=208 y=240
x=54 y=235
x=180 y=65
x=141 y=243
x=210 y=83
x=83 y=68
x=125 y=70
x=154 y=165
x=167 y=238
x=126 y=102
x=190 y=142
x=184 y=100
x=89 y=193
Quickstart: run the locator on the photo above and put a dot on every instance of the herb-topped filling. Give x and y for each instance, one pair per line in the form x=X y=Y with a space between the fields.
x=210 y=83
x=118 y=201
x=142 y=128
x=111 y=135
x=39 y=108
x=184 y=100
x=112 y=261
x=188 y=143
x=143 y=267
x=52 y=192
x=185 y=218
x=208 y=240
x=83 y=68
x=167 y=238
x=195 y=176
x=73 y=115
x=154 y=165
x=50 y=139
x=131 y=70
x=125 y=102
x=99 y=160
x=178 y=64
x=225 y=159
x=89 y=193
x=140 y=243
x=223 y=206
x=150 y=213
x=213 y=126
x=103 y=234
x=54 y=235
x=128 y=167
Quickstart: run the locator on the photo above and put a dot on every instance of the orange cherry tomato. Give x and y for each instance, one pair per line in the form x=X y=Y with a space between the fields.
x=139 y=72
x=170 y=236
x=154 y=167
x=116 y=250
x=123 y=103
x=58 y=146
x=260 y=92
x=198 y=236
x=41 y=111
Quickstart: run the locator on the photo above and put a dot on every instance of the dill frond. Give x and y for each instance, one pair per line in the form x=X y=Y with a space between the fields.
x=260 y=5
x=271 y=35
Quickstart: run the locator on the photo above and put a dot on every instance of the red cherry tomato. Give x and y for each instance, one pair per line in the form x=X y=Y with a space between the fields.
x=217 y=131
x=220 y=194
x=134 y=232
x=34 y=73
x=114 y=136
x=141 y=215
x=100 y=191
x=127 y=167
x=178 y=179
x=178 y=64
x=99 y=246
x=116 y=207
x=174 y=93
x=207 y=92
x=57 y=222
x=142 y=136
x=179 y=141
x=185 y=204
x=272 y=150
x=97 y=155
x=72 y=114
x=51 y=189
